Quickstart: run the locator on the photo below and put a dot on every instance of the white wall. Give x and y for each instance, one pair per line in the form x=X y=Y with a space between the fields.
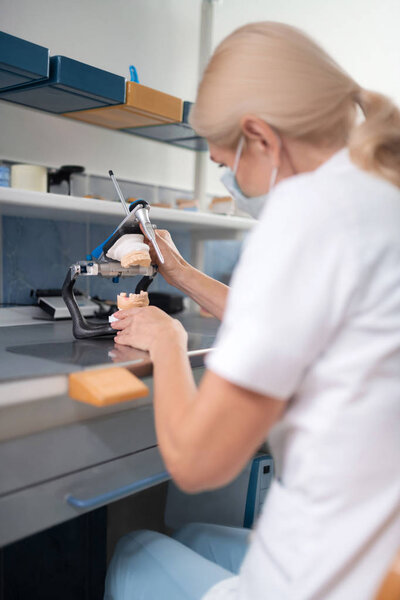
x=161 y=38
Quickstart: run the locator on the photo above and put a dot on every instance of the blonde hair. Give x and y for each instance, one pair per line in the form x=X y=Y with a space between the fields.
x=279 y=74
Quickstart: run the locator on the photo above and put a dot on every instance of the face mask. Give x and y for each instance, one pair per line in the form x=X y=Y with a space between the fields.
x=251 y=205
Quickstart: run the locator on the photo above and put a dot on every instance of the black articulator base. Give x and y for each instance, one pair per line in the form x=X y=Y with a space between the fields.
x=81 y=328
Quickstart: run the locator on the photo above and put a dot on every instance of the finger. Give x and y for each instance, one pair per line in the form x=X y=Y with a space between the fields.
x=118 y=325
x=162 y=233
x=127 y=312
x=153 y=254
x=120 y=334
x=120 y=315
x=123 y=340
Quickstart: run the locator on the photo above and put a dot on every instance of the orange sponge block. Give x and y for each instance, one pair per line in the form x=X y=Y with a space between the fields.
x=102 y=387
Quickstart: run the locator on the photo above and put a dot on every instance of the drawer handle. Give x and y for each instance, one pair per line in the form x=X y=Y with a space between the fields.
x=118 y=492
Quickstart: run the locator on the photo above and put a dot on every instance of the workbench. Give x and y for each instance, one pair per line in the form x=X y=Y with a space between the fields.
x=60 y=458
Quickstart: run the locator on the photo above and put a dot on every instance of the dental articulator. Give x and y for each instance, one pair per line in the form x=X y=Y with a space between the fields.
x=122 y=254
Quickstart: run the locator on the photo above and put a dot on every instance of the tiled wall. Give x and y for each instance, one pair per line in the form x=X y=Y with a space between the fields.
x=38 y=252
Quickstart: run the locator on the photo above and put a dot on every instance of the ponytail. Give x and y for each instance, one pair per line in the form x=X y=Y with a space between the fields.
x=374 y=145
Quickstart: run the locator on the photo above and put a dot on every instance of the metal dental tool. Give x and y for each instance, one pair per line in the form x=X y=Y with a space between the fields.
x=120 y=196
x=140 y=209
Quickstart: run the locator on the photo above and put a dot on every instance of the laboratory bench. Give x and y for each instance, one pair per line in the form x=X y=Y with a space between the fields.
x=60 y=458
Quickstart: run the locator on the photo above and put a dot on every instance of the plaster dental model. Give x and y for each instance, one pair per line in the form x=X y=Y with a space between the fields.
x=132 y=301
x=130 y=250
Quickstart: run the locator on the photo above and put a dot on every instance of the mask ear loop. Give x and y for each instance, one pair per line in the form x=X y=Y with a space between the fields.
x=274 y=172
x=238 y=155
x=272 y=179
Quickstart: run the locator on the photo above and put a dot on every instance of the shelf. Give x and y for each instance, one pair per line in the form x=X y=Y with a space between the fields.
x=79 y=91
x=24 y=203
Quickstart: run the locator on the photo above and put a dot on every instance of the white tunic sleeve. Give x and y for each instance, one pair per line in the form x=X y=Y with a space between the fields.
x=291 y=290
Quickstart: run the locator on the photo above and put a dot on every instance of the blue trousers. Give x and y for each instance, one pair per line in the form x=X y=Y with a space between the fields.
x=149 y=566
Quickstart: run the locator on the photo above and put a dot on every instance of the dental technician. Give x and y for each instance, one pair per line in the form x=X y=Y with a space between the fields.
x=308 y=353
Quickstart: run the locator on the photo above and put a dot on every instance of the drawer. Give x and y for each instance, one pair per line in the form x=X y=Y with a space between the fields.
x=30 y=460
x=39 y=507
x=94 y=437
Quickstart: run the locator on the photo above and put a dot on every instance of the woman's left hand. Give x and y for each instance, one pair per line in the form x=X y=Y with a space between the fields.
x=148 y=328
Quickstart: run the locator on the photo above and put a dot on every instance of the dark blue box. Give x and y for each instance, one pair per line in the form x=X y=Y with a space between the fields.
x=21 y=61
x=72 y=85
x=178 y=134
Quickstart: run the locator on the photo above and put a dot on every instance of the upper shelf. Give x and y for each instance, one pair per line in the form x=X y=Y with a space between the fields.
x=23 y=203
x=82 y=92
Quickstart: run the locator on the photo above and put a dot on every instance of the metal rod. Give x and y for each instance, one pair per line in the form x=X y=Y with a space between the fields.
x=116 y=185
x=150 y=234
x=158 y=251
x=205 y=49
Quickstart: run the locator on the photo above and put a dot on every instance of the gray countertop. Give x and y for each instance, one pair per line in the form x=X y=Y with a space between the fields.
x=35 y=361
x=50 y=349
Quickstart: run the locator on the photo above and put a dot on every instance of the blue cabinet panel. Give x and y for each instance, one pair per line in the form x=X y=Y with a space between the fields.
x=21 y=61
x=72 y=85
x=178 y=134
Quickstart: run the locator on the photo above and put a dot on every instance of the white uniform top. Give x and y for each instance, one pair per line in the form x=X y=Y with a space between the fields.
x=313 y=317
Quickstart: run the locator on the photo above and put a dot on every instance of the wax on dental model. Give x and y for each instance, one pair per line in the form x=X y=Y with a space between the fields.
x=130 y=250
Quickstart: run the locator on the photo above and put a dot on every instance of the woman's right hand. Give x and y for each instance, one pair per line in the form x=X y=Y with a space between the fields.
x=204 y=290
x=174 y=264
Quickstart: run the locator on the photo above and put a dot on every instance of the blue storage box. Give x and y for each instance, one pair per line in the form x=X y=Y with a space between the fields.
x=72 y=85
x=21 y=61
x=178 y=134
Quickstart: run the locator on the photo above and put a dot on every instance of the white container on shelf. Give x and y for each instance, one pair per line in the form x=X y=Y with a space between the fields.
x=29 y=177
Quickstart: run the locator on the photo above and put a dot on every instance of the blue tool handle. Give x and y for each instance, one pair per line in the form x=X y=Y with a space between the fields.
x=97 y=252
x=134 y=74
x=118 y=492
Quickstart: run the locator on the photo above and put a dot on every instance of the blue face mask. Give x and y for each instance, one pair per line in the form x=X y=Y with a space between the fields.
x=251 y=205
